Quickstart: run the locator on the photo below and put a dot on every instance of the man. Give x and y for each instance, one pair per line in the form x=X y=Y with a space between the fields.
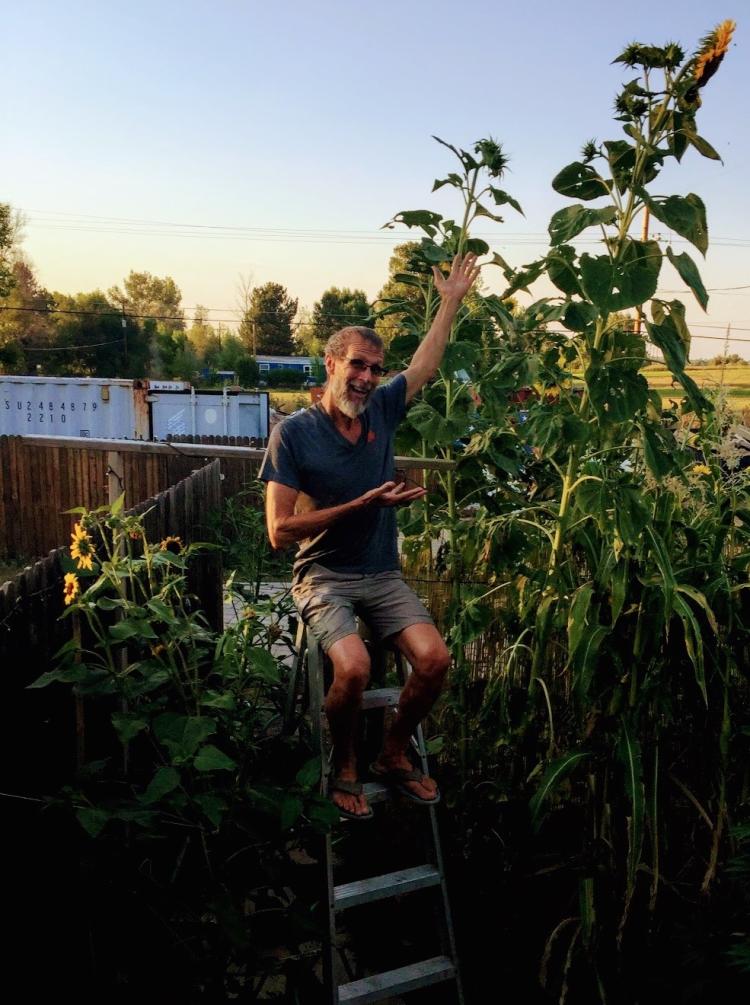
x=331 y=487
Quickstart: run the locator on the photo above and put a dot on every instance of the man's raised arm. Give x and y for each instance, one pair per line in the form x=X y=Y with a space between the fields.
x=426 y=360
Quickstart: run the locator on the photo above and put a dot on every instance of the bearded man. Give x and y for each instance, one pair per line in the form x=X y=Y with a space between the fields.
x=331 y=488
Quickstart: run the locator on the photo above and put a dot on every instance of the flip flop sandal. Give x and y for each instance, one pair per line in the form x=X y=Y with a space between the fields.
x=351 y=789
x=398 y=776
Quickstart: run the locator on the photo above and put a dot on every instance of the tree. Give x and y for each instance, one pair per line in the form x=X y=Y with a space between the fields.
x=145 y=294
x=266 y=325
x=336 y=309
x=156 y=303
x=26 y=326
x=8 y=235
x=94 y=342
x=403 y=261
x=203 y=338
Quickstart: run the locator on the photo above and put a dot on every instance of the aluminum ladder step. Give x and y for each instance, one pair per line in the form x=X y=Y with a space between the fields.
x=394 y=982
x=390 y=884
x=381 y=697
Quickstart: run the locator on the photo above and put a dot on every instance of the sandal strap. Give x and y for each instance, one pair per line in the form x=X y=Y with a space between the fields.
x=350 y=788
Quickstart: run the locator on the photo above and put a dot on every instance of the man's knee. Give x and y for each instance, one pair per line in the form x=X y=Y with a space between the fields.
x=432 y=662
x=351 y=666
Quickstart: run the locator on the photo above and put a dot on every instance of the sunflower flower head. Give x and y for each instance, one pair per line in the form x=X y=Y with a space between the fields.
x=82 y=549
x=701 y=469
x=171 y=543
x=703 y=65
x=712 y=50
x=71 y=587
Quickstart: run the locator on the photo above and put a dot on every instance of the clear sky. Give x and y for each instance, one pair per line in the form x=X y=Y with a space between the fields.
x=305 y=125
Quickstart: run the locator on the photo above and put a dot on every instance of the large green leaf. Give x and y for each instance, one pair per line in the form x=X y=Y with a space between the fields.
x=182 y=734
x=693 y=642
x=433 y=427
x=686 y=215
x=128 y=726
x=308 y=775
x=621 y=157
x=586 y=661
x=688 y=271
x=617 y=392
x=628 y=281
x=264 y=664
x=93 y=820
x=668 y=333
x=578 y=315
x=554 y=774
x=663 y=562
x=580 y=181
x=567 y=223
x=459 y=356
x=423 y=218
x=629 y=752
x=659 y=449
x=210 y=758
x=164 y=781
x=502 y=198
x=579 y=607
x=562 y=270
x=631 y=513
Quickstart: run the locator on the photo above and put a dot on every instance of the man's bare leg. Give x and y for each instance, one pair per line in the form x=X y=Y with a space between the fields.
x=351 y=672
x=428 y=655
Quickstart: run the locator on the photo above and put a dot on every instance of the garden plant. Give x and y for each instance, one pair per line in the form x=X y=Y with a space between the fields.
x=195 y=804
x=602 y=753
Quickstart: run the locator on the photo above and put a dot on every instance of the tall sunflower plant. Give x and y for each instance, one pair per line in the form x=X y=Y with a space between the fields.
x=600 y=536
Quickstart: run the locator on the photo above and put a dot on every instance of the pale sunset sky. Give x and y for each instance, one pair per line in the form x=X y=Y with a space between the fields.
x=211 y=140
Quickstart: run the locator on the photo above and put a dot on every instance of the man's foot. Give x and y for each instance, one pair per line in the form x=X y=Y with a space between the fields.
x=346 y=794
x=401 y=772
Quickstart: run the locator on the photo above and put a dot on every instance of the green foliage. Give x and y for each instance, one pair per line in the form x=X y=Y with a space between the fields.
x=202 y=785
x=595 y=541
x=337 y=308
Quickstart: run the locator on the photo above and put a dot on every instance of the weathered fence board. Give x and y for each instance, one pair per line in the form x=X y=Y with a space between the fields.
x=38 y=483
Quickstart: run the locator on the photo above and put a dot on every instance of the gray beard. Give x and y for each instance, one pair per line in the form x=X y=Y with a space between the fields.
x=351 y=409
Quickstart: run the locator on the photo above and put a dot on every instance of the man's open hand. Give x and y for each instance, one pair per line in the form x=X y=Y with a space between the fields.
x=392 y=494
x=459 y=281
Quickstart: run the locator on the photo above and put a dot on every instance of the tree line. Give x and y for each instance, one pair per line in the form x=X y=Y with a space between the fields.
x=140 y=328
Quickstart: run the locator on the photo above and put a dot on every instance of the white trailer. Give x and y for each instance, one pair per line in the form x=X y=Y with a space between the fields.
x=127 y=409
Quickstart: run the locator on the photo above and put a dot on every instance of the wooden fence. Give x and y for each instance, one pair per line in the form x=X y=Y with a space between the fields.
x=45 y=732
x=40 y=480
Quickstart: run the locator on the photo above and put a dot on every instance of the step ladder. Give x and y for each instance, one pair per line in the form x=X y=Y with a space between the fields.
x=307 y=688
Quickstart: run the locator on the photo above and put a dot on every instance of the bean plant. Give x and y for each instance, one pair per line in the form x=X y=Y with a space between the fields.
x=601 y=540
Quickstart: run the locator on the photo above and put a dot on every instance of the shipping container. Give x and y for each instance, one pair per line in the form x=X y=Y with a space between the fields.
x=127 y=409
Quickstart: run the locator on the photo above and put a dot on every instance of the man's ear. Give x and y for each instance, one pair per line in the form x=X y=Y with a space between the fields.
x=330 y=364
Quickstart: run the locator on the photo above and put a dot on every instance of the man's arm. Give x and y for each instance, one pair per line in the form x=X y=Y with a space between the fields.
x=426 y=360
x=285 y=526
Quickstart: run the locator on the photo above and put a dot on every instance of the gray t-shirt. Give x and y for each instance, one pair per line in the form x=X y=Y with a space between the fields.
x=307 y=453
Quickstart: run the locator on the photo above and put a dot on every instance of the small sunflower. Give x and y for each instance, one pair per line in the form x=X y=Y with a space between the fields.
x=701 y=469
x=82 y=548
x=158 y=649
x=71 y=587
x=171 y=543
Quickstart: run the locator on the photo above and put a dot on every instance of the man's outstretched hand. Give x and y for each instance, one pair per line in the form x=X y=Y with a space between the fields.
x=460 y=279
x=392 y=494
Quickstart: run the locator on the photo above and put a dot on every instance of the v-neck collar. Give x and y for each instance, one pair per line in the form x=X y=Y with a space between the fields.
x=363 y=424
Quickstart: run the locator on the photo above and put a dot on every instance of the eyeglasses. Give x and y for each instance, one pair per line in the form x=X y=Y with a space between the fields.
x=361 y=366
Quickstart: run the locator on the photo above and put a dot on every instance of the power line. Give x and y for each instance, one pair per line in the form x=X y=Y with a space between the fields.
x=125 y=225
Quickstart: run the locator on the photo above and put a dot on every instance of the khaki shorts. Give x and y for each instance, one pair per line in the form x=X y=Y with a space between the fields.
x=330 y=602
